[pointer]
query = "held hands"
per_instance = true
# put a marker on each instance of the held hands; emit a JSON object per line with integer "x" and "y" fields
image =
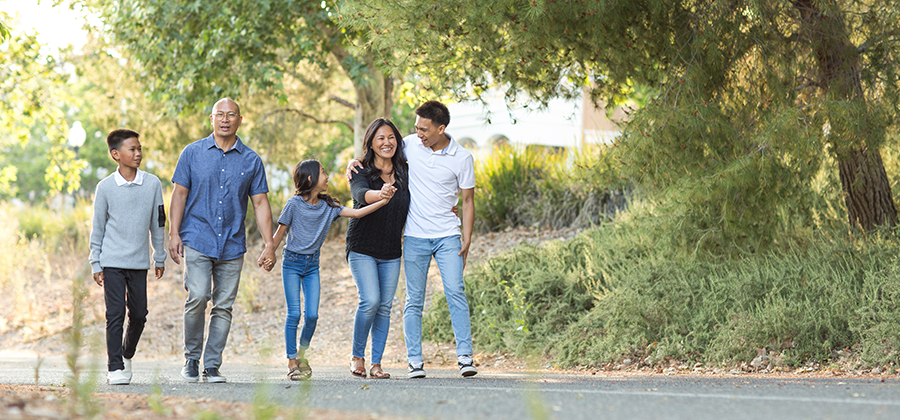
{"x": 387, "y": 191}
{"x": 267, "y": 259}
{"x": 98, "y": 278}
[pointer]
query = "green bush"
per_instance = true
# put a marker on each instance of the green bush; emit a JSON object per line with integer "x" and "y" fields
{"x": 69, "y": 227}
{"x": 542, "y": 186}
{"x": 614, "y": 292}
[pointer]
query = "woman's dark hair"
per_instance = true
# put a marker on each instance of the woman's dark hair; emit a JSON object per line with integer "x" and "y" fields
{"x": 306, "y": 177}
{"x": 398, "y": 161}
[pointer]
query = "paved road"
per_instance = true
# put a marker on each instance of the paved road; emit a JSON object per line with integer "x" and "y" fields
{"x": 512, "y": 395}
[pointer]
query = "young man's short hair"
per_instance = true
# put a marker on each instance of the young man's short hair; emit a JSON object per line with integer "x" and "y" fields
{"x": 434, "y": 111}
{"x": 114, "y": 140}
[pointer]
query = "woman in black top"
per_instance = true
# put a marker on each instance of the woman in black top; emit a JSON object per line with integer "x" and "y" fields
{"x": 374, "y": 242}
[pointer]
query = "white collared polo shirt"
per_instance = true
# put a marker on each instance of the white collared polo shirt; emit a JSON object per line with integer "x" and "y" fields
{"x": 435, "y": 179}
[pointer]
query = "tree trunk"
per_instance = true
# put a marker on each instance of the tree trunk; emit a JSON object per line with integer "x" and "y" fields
{"x": 867, "y": 191}
{"x": 374, "y": 98}
{"x": 374, "y": 90}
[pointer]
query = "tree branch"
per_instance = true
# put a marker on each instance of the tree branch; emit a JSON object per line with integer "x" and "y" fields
{"x": 808, "y": 83}
{"x": 343, "y": 102}
{"x": 305, "y": 115}
{"x": 865, "y": 45}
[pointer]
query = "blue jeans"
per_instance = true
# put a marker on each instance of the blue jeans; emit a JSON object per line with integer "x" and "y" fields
{"x": 376, "y": 281}
{"x": 300, "y": 273}
{"x": 417, "y": 253}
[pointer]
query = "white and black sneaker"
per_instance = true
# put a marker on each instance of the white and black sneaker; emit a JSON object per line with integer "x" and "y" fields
{"x": 212, "y": 376}
{"x": 416, "y": 370}
{"x": 466, "y": 366}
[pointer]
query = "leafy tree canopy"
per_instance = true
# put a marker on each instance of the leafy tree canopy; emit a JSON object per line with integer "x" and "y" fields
{"x": 192, "y": 53}
{"x": 752, "y": 100}
{"x": 33, "y": 100}
{"x": 4, "y": 30}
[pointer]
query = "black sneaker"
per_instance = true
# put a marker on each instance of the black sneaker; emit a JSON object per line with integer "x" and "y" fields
{"x": 466, "y": 366}
{"x": 416, "y": 371}
{"x": 191, "y": 370}
{"x": 212, "y": 375}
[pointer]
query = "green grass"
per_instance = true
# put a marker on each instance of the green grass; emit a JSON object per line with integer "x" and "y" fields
{"x": 616, "y": 292}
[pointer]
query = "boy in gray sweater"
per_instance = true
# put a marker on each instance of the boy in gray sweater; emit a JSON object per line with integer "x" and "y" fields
{"x": 128, "y": 212}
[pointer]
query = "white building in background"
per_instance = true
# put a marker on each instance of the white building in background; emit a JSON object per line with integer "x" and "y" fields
{"x": 563, "y": 123}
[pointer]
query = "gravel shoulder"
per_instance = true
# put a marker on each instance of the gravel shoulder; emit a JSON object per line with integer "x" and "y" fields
{"x": 257, "y": 331}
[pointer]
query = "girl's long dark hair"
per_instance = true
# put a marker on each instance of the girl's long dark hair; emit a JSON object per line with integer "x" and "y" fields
{"x": 398, "y": 161}
{"x": 306, "y": 177}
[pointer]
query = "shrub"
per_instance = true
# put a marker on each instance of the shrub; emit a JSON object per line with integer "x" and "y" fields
{"x": 55, "y": 228}
{"x": 614, "y": 292}
{"x": 538, "y": 186}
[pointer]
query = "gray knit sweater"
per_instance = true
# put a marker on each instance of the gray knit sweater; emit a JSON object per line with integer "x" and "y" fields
{"x": 125, "y": 219}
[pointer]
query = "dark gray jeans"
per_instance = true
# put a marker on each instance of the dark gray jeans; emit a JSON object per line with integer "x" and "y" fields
{"x": 206, "y": 278}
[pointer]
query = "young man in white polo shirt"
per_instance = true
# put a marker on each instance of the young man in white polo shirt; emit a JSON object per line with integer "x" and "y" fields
{"x": 440, "y": 170}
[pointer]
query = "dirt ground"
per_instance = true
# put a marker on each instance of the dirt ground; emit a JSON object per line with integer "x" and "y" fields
{"x": 257, "y": 332}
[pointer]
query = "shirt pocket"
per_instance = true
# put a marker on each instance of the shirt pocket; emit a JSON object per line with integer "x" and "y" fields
{"x": 240, "y": 179}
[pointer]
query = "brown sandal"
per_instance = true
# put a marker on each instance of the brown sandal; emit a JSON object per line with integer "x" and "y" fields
{"x": 300, "y": 373}
{"x": 358, "y": 367}
{"x": 376, "y": 373}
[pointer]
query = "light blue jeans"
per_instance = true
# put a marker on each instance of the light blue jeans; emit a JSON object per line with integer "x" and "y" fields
{"x": 376, "y": 281}
{"x": 417, "y": 254}
{"x": 300, "y": 274}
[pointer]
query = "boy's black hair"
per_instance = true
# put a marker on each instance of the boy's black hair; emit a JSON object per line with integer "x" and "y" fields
{"x": 434, "y": 111}
{"x": 114, "y": 140}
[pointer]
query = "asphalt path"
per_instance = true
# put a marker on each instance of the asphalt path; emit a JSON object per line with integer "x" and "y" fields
{"x": 443, "y": 394}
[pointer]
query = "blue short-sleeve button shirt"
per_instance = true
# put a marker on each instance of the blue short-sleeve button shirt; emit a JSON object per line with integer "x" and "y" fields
{"x": 220, "y": 183}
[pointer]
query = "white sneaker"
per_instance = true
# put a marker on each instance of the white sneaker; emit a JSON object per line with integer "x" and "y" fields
{"x": 127, "y": 368}
{"x": 117, "y": 377}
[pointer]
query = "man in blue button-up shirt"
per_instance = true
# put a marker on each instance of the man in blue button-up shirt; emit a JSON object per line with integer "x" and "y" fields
{"x": 213, "y": 179}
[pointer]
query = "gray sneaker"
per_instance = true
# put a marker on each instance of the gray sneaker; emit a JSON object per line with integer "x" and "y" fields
{"x": 191, "y": 370}
{"x": 416, "y": 371}
{"x": 212, "y": 376}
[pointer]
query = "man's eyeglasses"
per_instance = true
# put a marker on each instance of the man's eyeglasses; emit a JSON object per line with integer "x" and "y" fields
{"x": 221, "y": 115}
